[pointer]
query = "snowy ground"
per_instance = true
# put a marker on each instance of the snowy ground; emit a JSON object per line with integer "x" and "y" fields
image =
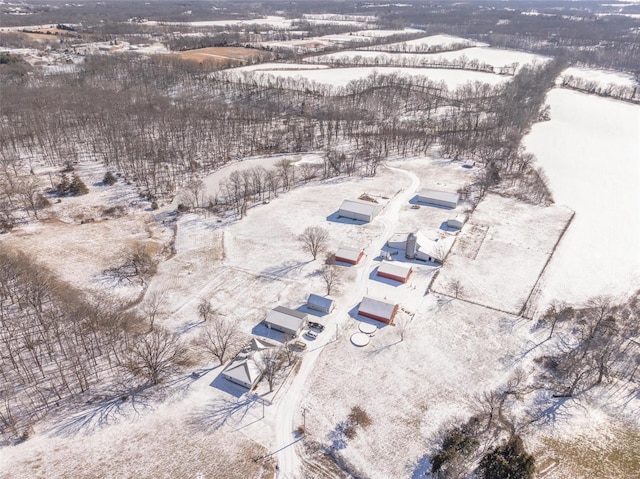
{"x": 273, "y": 21}
{"x": 502, "y": 235}
{"x": 590, "y": 151}
{"x": 443, "y": 41}
{"x": 601, "y": 77}
{"x": 340, "y": 77}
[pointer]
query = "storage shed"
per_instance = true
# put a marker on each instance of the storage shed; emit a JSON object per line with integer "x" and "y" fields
{"x": 324, "y": 304}
{"x": 393, "y": 270}
{"x": 378, "y": 310}
{"x": 398, "y": 241}
{"x": 359, "y": 210}
{"x": 286, "y": 320}
{"x": 438, "y": 198}
{"x": 348, "y": 254}
{"x": 457, "y": 220}
{"x": 243, "y": 371}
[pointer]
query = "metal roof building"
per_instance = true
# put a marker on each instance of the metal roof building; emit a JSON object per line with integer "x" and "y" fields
{"x": 348, "y": 254}
{"x": 394, "y": 270}
{"x": 285, "y": 320}
{"x": 324, "y": 304}
{"x": 359, "y": 210}
{"x": 457, "y": 220}
{"x": 377, "y": 309}
{"x": 438, "y": 198}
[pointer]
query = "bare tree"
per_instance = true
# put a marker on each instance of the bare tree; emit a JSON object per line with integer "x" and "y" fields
{"x": 270, "y": 363}
{"x": 456, "y": 288}
{"x": 137, "y": 264}
{"x": 206, "y": 310}
{"x": 221, "y": 337}
{"x": 153, "y": 305}
{"x": 153, "y": 354}
{"x": 330, "y": 274}
{"x": 314, "y": 239}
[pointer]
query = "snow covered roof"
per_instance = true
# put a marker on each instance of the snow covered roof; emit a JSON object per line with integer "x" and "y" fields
{"x": 376, "y": 307}
{"x": 394, "y": 269}
{"x": 398, "y": 238}
{"x": 439, "y": 195}
{"x": 286, "y": 318}
{"x": 242, "y": 370}
{"x": 257, "y": 344}
{"x": 323, "y": 302}
{"x": 348, "y": 252}
{"x": 459, "y": 217}
{"x": 359, "y": 206}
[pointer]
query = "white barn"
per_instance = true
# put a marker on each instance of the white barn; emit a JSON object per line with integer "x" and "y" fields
{"x": 457, "y": 220}
{"x": 285, "y": 320}
{"x": 359, "y": 210}
{"x": 324, "y": 304}
{"x": 438, "y": 198}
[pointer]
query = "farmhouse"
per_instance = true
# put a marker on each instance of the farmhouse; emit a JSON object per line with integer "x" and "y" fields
{"x": 457, "y": 220}
{"x": 324, "y": 304}
{"x": 378, "y": 310}
{"x": 438, "y": 198}
{"x": 286, "y": 320}
{"x": 359, "y": 210}
{"x": 243, "y": 371}
{"x": 393, "y": 270}
{"x": 350, "y": 255}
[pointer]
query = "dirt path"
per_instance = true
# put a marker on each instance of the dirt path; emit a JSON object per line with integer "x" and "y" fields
{"x": 288, "y": 410}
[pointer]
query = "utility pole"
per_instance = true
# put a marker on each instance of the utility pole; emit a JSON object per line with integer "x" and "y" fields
{"x": 304, "y": 420}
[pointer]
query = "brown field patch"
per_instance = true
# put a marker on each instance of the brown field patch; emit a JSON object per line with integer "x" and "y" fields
{"x": 220, "y": 55}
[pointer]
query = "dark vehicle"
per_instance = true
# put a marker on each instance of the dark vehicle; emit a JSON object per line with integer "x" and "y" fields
{"x": 316, "y": 326}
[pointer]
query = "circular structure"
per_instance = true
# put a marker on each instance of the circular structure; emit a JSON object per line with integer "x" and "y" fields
{"x": 368, "y": 328}
{"x": 360, "y": 339}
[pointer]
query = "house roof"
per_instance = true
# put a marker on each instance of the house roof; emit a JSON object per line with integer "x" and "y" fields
{"x": 359, "y": 206}
{"x": 257, "y": 344}
{"x": 322, "y": 301}
{"x": 436, "y": 248}
{"x": 286, "y": 318}
{"x": 394, "y": 269}
{"x": 439, "y": 195}
{"x": 376, "y": 307}
{"x": 243, "y": 370}
{"x": 348, "y": 252}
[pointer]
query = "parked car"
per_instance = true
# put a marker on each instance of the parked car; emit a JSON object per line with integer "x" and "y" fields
{"x": 316, "y": 326}
{"x": 299, "y": 345}
{"x": 311, "y": 334}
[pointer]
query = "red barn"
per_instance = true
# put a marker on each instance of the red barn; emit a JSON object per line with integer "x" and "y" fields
{"x": 350, "y": 255}
{"x": 378, "y": 310}
{"x": 396, "y": 271}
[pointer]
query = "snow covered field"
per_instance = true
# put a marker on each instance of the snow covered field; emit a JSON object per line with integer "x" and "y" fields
{"x": 493, "y": 57}
{"x": 502, "y": 235}
{"x": 443, "y": 41}
{"x": 341, "y": 77}
{"x": 590, "y": 151}
{"x": 601, "y": 77}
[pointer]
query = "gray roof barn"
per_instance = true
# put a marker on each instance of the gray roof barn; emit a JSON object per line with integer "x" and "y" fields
{"x": 438, "y": 198}
{"x": 324, "y": 304}
{"x": 359, "y": 210}
{"x": 285, "y": 320}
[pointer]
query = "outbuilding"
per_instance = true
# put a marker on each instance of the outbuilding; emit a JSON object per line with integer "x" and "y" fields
{"x": 398, "y": 241}
{"x": 348, "y": 254}
{"x": 457, "y": 220}
{"x": 324, "y": 304}
{"x": 359, "y": 210}
{"x": 243, "y": 371}
{"x": 394, "y": 270}
{"x": 378, "y": 310}
{"x": 438, "y": 198}
{"x": 285, "y": 320}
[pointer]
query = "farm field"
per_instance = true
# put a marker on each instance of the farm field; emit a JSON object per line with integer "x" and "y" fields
{"x": 223, "y": 55}
{"x": 601, "y": 77}
{"x": 441, "y": 41}
{"x": 500, "y": 235}
{"x": 341, "y": 77}
{"x": 590, "y": 152}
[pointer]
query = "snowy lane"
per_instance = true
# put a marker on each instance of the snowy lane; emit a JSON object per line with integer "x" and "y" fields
{"x": 287, "y": 444}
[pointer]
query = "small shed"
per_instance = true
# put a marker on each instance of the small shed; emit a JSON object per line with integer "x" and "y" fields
{"x": 438, "y": 198}
{"x": 348, "y": 254}
{"x": 359, "y": 210}
{"x": 398, "y": 241}
{"x": 378, "y": 310}
{"x": 243, "y": 371}
{"x": 324, "y": 304}
{"x": 394, "y": 270}
{"x": 457, "y": 220}
{"x": 285, "y": 320}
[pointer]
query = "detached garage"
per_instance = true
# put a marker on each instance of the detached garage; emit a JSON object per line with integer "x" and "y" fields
{"x": 359, "y": 210}
{"x": 378, "y": 310}
{"x": 349, "y": 255}
{"x": 438, "y": 198}
{"x": 396, "y": 271}
{"x": 285, "y": 320}
{"x": 323, "y": 304}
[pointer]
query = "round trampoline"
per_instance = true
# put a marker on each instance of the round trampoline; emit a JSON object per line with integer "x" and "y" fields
{"x": 368, "y": 328}
{"x": 360, "y": 339}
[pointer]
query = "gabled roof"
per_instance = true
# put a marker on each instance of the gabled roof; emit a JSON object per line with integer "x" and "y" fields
{"x": 394, "y": 268}
{"x": 243, "y": 370}
{"x": 286, "y": 318}
{"x": 258, "y": 344}
{"x": 348, "y": 252}
{"x": 359, "y": 206}
{"x": 376, "y": 307}
{"x": 320, "y": 301}
{"x": 439, "y": 195}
